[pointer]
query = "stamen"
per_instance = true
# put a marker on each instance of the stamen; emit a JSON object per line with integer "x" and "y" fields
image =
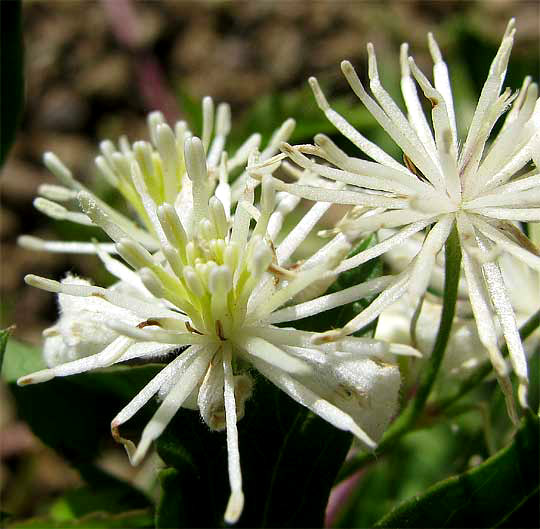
{"x": 58, "y": 169}
{"x": 151, "y": 282}
{"x": 193, "y": 282}
{"x": 219, "y": 330}
{"x": 208, "y": 121}
{"x": 172, "y": 226}
{"x": 196, "y": 170}
{"x": 192, "y": 329}
{"x": 166, "y": 144}
{"x": 106, "y": 171}
{"x": 135, "y": 254}
{"x": 58, "y": 212}
{"x": 155, "y": 119}
{"x": 56, "y": 193}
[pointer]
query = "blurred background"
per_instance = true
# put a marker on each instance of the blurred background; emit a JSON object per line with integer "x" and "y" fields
{"x": 93, "y": 70}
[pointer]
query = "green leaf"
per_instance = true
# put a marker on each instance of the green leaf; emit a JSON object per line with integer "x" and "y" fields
{"x": 4, "y": 335}
{"x": 289, "y": 459}
{"x": 11, "y": 102}
{"x": 492, "y": 494}
{"x": 72, "y": 414}
{"x": 137, "y": 519}
{"x": 105, "y": 494}
{"x": 20, "y": 359}
{"x": 445, "y": 449}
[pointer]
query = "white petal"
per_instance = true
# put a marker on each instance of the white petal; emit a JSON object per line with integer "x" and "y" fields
{"x": 298, "y": 234}
{"x": 174, "y": 400}
{"x": 104, "y": 359}
{"x": 337, "y": 196}
{"x": 507, "y": 318}
{"x": 35, "y": 243}
{"x": 313, "y": 401}
{"x": 259, "y": 348}
{"x": 382, "y": 247}
{"x": 391, "y": 294}
{"x": 210, "y": 397}
{"x": 235, "y": 504}
{"x": 166, "y": 376}
{"x": 366, "y": 146}
{"x": 425, "y": 260}
{"x": 365, "y": 389}
{"x": 330, "y": 301}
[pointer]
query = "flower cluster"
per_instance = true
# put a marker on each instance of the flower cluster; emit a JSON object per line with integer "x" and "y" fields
{"x": 205, "y": 272}
{"x": 481, "y": 191}
{"x": 162, "y": 169}
{"x": 464, "y": 350}
{"x": 217, "y": 287}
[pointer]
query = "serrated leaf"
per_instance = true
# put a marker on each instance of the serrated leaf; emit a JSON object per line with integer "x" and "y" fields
{"x": 12, "y": 74}
{"x": 289, "y": 459}
{"x": 486, "y": 496}
{"x": 138, "y": 519}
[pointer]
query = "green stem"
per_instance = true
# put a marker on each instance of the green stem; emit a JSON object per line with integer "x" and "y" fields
{"x": 409, "y": 416}
{"x": 485, "y": 368}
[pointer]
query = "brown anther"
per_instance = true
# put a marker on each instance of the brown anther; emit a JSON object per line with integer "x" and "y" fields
{"x": 281, "y": 272}
{"x": 434, "y": 101}
{"x": 146, "y": 323}
{"x": 328, "y": 337}
{"x": 129, "y": 446}
{"x": 219, "y": 330}
{"x": 518, "y": 237}
{"x": 296, "y": 266}
{"x": 192, "y": 329}
{"x": 98, "y": 295}
{"x": 413, "y": 169}
{"x": 382, "y": 363}
{"x": 115, "y": 432}
{"x": 273, "y": 248}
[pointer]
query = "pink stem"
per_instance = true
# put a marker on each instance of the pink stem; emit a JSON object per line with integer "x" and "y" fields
{"x": 339, "y": 496}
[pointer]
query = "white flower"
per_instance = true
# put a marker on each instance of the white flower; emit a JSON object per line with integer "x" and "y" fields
{"x": 80, "y": 331}
{"x": 478, "y": 189}
{"x": 163, "y": 171}
{"x": 218, "y": 287}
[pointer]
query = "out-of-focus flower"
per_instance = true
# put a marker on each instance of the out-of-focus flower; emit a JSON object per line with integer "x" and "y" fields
{"x": 219, "y": 288}
{"x": 479, "y": 189}
{"x": 464, "y": 350}
{"x": 163, "y": 172}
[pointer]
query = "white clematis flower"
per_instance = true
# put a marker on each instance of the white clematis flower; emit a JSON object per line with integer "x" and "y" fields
{"x": 163, "y": 173}
{"x": 464, "y": 350}
{"x": 478, "y": 188}
{"x": 220, "y": 288}
{"x": 80, "y": 331}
